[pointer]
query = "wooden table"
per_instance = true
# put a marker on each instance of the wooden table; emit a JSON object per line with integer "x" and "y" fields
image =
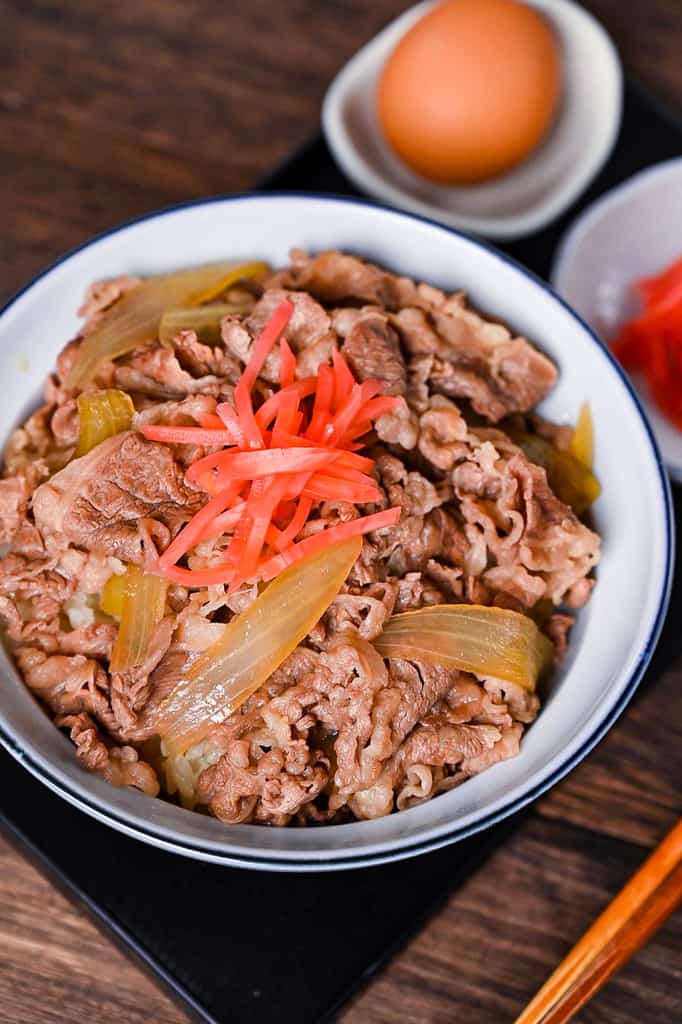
{"x": 110, "y": 110}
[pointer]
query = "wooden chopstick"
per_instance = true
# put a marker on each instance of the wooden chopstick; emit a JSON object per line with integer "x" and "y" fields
{"x": 651, "y": 895}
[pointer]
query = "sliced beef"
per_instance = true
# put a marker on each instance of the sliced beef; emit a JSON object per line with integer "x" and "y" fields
{"x": 335, "y": 277}
{"x": 64, "y": 424}
{"x": 102, "y": 294}
{"x": 507, "y": 503}
{"x": 418, "y": 374}
{"x": 557, "y": 629}
{"x": 442, "y": 433}
{"x": 309, "y": 322}
{"x": 516, "y": 583}
{"x": 439, "y": 743}
{"x": 95, "y": 640}
{"x": 312, "y": 357}
{"x": 205, "y": 361}
{"x": 421, "y": 687}
{"x": 399, "y": 427}
{"x": 519, "y": 702}
{"x": 416, "y": 590}
{"x": 33, "y": 444}
{"x": 364, "y": 613}
{"x": 372, "y": 350}
{"x": 505, "y": 747}
{"x": 126, "y": 498}
{"x": 477, "y": 359}
{"x": 32, "y": 594}
{"x": 27, "y": 541}
{"x": 119, "y": 765}
{"x": 156, "y": 371}
{"x": 344, "y": 318}
{"x": 366, "y": 712}
{"x": 308, "y": 333}
{"x": 68, "y": 684}
{"x": 410, "y": 490}
{"x": 15, "y": 493}
{"x": 272, "y": 789}
{"x": 185, "y": 412}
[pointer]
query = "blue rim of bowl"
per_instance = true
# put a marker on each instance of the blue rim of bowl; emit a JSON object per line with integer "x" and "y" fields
{"x": 324, "y": 863}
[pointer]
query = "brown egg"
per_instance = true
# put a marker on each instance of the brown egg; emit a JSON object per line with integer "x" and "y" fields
{"x": 471, "y": 89}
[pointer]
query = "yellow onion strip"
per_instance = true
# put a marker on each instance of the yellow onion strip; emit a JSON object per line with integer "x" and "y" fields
{"x": 569, "y": 478}
{"x": 472, "y": 638}
{"x": 111, "y": 597}
{"x": 142, "y": 608}
{"x": 582, "y": 442}
{"x": 204, "y": 320}
{"x": 101, "y": 414}
{"x": 134, "y": 318}
{"x": 252, "y": 646}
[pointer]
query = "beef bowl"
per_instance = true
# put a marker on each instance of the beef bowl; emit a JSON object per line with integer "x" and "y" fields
{"x": 385, "y": 451}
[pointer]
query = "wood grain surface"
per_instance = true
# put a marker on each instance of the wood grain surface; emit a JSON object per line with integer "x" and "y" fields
{"x": 110, "y": 110}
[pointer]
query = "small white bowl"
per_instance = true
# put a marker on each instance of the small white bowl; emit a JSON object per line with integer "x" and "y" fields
{"x": 614, "y": 637}
{"x": 524, "y": 199}
{"x": 633, "y": 231}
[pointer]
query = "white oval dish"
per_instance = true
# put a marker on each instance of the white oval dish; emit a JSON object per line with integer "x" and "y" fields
{"x": 630, "y": 232}
{"x": 615, "y": 635}
{"x": 524, "y": 199}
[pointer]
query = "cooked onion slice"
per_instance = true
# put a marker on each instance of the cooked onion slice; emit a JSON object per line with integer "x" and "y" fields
{"x": 569, "y": 477}
{"x": 472, "y": 638}
{"x": 142, "y": 608}
{"x": 101, "y": 414}
{"x": 204, "y": 320}
{"x": 582, "y": 442}
{"x": 134, "y": 318}
{"x": 112, "y": 595}
{"x": 252, "y": 646}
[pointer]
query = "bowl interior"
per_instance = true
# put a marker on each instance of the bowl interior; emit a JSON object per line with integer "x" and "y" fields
{"x": 634, "y": 231}
{"x": 614, "y": 635}
{"x": 526, "y": 196}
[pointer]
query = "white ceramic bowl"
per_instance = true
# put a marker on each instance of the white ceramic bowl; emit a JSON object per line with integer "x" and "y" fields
{"x": 631, "y": 232}
{"x": 527, "y": 197}
{"x": 616, "y": 633}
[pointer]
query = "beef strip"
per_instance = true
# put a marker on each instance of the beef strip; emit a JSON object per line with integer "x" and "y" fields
{"x": 156, "y": 371}
{"x": 64, "y": 424}
{"x": 442, "y": 433}
{"x": 309, "y": 322}
{"x": 372, "y": 350}
{"x": 204, "y": 361}
{"x": 103, "y": 294}
{"x": 15, "y": 493}
{"x": 33, "y": 444}
{"x": 126, "y": 498}
{"x": 185, "y": 412}
{"x": 31, "y": 597}
{"x": 308, "y": 332}
{"x": 476, "y": 359}
{"x": 333, "y": 277}
{"x": 509, "y": 507}
{"x": 68, "y": 684}
{"x": 119, "y": 765}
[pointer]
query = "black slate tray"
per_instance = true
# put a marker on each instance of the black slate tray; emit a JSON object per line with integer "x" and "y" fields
{"x": 233, "y": 945}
